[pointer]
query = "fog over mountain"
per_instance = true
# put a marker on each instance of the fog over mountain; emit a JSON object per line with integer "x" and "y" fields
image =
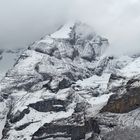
{"x": 119, "y": 21}
{"x": 79, "y": 77}
{"x": 27, "y": 20}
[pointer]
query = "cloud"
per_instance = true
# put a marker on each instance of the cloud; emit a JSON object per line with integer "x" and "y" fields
{"x": 27, "y": 20}
{"x": 23, "y": 21}
{"x": 119, "y": 21}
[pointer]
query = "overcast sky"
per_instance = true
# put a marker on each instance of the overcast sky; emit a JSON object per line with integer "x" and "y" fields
{"x": 23, "y": 21}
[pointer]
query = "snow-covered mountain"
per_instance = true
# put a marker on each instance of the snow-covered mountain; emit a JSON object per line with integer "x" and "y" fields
{"x": 65, "y": 87}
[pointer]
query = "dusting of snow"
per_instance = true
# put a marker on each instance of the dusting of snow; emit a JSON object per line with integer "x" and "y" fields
{"x": 37, "y": 120}
{"x": 47, "y": 39}
{"x": 99, "y": 100}
{"x": 97, "y": 104}
{"x": 23, "y": 98}
{"x": 64, "y": 31}
{"x": 132, "y": 69}
{"x": 136, "y": 84}
{"x": 26, "y": 65}
{"x": 88, "y": 135}
{"x": 2, "y": 125}
{"x": 95, "y": 81}
{"x": 3, "y": 113}
{"x": 99, "y": 82}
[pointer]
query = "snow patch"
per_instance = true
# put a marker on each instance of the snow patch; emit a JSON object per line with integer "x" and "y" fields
{"x": 95, "y": 81}
{"x": 47, "y": 39}
{"x": 132, "y": 69}
{"x": 38, "y": 119}
{"x": 97, "y": 104}
{"x": 64, "y": 31}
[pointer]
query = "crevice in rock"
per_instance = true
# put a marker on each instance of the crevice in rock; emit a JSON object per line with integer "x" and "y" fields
{"x": 49, "y": 105}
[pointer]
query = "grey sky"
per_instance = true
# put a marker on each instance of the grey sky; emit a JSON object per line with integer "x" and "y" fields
{"x": 117, "y": 20}
{"x": 23, "y": 21}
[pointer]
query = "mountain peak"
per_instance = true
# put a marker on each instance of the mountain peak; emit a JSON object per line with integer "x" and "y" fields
{"x": 61, "y": 82}
{"x": 74, "y": 27}
{"x": 64, "y": 31}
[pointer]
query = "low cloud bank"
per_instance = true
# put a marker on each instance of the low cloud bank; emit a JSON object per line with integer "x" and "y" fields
{"x": 119, "y": 21}
{"x": 27, "y": 20}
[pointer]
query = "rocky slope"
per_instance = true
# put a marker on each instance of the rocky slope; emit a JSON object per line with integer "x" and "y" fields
{"x": 64, "y": 87}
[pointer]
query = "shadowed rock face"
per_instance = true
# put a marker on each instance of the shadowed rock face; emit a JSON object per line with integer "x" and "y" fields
{"x": 123, "y": 134}
{"x": 119, "y": 126}
{"x": 125, "y": 102}
{"x": 18, "y": 116}
{"x": 67, "y": 129}
{"x": 49, "y": 105}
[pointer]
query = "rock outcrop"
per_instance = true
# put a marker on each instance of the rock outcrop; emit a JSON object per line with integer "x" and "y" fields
{"x": 126, "y": 99}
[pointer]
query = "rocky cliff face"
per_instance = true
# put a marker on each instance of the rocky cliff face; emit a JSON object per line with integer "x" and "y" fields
{"x": 60, "y": 86}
